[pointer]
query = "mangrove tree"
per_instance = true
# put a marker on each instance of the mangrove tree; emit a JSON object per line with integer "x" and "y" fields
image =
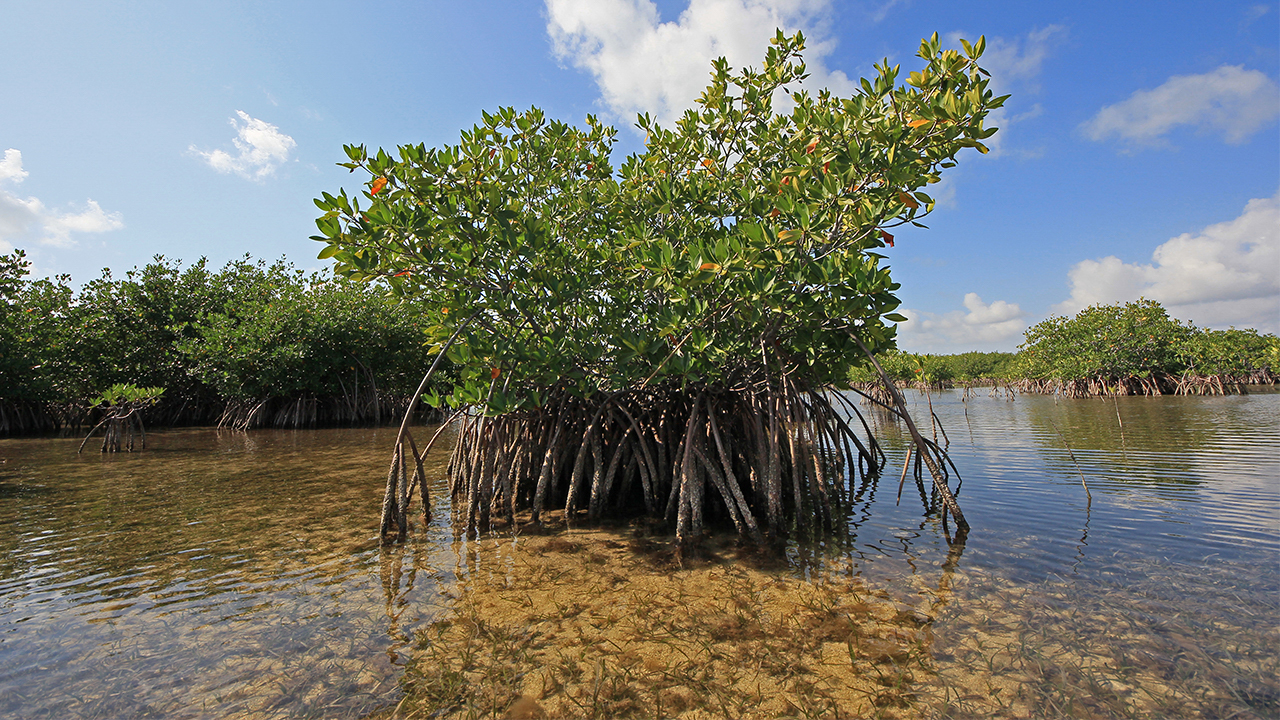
{"x": 660, "y": 335}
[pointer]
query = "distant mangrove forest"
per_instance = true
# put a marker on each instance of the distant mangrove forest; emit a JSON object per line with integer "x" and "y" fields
{"x": 253, "y": 344}
{"x": 1122, "y": 349}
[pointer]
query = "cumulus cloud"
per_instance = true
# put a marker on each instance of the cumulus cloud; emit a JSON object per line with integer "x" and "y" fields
{"x": 1225, "y": 274}
{"x": 1230, "y": 100}
{"x": 644, "y": 65}
{"x": 11, "y": 167}
{"x": 29, "y": 219}
{"x": 980, "y": 326}
{"x": 260, "y": 149}
{"x": 1017, "y": 61}
{"x": 1015, "y": 65}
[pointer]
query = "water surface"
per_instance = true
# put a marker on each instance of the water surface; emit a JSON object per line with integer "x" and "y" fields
{"x": 221, "y": 573}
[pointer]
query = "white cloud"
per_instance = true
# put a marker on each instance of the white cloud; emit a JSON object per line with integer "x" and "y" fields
{"x": 1017, "y": 61}
{"x": 1015, "y": 66}
{"x": 882, "y": 12}
{"x": 11, "y": 167}
{"x": 1226, "y": 274}
{"x": 260, "y": 147}
{"x": 29, "y": 219}
{"x": 93, "y": 219}
{"x": 644, "y": 65}
{"x": 1230, "y": 100}
{"x": 981, "y": 326}
{"x": 1253, "y": 13}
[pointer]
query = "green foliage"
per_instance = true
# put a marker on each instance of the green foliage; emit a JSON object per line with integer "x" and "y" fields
{"x": 33, "y": 330}
{"x": 126, "y": 394}
{"x": 127, "y": 331}
{"x": 283, "y": 333}
{"x": 979, "y": 365}
{"x": 1102, "y": 341}
{"x": 1233, "y": 353}
{"x": 742, "y": 241}
{"x": 900, "y": 367}
{"x": 964, "y": 367}
{"x": 1139, "y": 340}
{"x": 250, "y": 331}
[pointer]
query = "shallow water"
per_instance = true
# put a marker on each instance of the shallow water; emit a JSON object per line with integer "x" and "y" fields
{"x": 222, "y": 574}
{"x": 214, "y": 574}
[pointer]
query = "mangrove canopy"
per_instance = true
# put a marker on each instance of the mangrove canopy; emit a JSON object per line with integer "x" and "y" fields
{"x": 1135, "y": 348}
{"x": 250, "y": 345}
{"x": 658, "y": 335}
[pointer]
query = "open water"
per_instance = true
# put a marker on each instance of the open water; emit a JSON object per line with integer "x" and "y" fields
{"x": 225, "y": 574}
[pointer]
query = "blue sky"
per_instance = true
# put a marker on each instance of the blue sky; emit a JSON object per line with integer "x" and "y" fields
{"x": 1139, "y": 154}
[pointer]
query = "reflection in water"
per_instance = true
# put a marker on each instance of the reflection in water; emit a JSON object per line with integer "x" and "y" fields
{"x": 238, "y": 574}
{"x": 214, "y": 574}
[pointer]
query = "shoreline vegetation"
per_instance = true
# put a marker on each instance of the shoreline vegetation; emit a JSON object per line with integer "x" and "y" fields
{"x": 1105, "y": 350}
{"x": 266, "y": 345}
{"x": 251, "y": 345}
{"x": 258, "y": 345}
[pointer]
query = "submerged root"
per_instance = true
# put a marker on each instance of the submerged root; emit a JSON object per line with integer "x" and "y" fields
{"x": 367, "y": 407}
{"x": 121, "y": 426}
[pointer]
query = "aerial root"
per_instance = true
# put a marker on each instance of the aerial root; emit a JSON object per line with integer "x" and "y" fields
{"x": 771, "y": 459}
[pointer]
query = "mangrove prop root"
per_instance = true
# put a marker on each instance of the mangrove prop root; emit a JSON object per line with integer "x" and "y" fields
{"x": 770, "y": 458}
{"x": 1154, "y": 384}
{"x": 120, "y": 425}
{"x": 925, "y": 450}
{"x": 395, "y": 501}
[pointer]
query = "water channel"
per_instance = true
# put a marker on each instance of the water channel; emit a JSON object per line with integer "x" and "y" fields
{"x": 224, "y": 574}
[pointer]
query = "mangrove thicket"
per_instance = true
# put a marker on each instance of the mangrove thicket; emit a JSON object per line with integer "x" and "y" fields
{"x": 1135, "y": 348}
{"x": 659, "y": 335}
{"x": 249, "y": 345}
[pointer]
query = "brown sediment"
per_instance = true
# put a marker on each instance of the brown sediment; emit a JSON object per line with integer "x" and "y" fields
{"x": 606, "y": 624}
{"x": 1046, "y": 650}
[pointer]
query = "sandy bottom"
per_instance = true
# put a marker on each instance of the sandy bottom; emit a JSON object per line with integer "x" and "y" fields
{"x": 606, "y": 624}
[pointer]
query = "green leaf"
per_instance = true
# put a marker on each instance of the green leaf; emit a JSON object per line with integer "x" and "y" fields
{"x": 790, "y": 236}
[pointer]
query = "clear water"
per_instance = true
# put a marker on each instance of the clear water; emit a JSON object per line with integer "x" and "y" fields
{"x": 221, "y": 574}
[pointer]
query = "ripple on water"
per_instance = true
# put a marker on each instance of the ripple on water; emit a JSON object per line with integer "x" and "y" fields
{"x": 223, "y": 574}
